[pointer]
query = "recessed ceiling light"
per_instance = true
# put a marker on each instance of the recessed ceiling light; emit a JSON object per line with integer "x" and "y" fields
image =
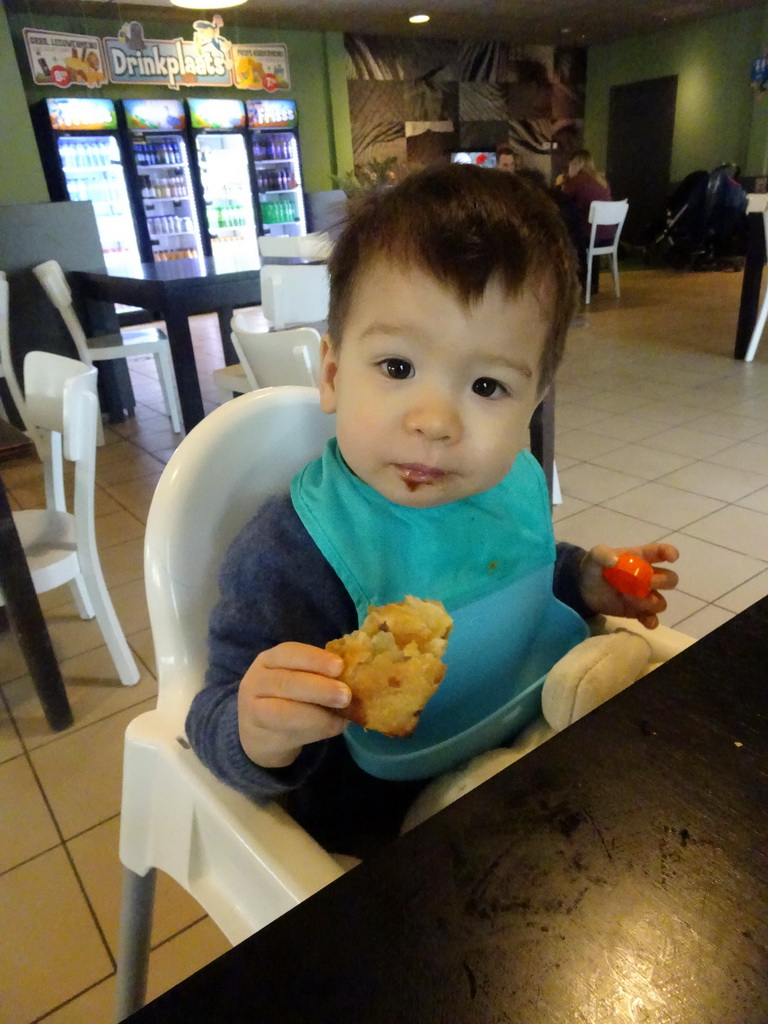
{"x": 564, "y": 31}
{"x": 205, "y": 5}
{"x": 418, "y": 19}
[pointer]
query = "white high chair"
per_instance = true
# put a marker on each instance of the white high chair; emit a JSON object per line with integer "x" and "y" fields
{"x": 757, "y": 204}
{"x": 60, "y": 547}
{"x": 139, "y": 341}
{"x": 245, "y": 864}
{"x": 295, "y": 294}
{"x": 269, "y": 359}
{"x": 605, "y": 214}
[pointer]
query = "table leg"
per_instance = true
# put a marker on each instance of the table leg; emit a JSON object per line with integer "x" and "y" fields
{"x": 750, "y": 285}
{"x": 225, "y": 321}
{"x": 28, "y": 624}
{"x": 185, "y": 368}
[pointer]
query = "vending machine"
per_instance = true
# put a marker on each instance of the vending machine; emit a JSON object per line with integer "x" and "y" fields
{"x": 274, "y": 145}
{"x": 83, "y": 161}
{"x": 161, "y": 161}
{"x": 218, "y": 128}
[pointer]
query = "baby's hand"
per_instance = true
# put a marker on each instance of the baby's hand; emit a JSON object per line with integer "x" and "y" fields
{"x": 286, "y": 699}
{"x": 602, "y": 597}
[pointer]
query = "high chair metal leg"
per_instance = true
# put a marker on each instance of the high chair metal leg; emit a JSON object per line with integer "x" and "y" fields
{"x": 138, "y": 898}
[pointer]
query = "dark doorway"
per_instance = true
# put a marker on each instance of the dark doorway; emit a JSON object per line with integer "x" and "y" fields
{"x": 641, "y": 123}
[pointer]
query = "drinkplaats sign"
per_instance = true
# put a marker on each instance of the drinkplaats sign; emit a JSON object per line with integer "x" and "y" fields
{"x": 129, "y": 58}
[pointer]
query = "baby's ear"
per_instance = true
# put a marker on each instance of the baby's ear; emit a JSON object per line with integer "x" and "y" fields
{"x": 329, "y": 366}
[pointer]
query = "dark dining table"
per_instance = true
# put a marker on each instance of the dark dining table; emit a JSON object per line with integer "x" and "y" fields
{"x": 176, "y": 290}
{"x": 617, "y": 874}
{"x": 21, "y": 605}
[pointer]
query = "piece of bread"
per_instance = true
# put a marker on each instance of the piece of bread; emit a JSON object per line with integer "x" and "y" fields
{"x": 392, "y": 664}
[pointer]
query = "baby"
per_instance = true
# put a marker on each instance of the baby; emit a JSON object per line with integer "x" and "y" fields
{"x": 451, "y": 295}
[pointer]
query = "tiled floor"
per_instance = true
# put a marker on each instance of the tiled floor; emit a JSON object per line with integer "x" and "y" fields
{"x": 660, "y": 434}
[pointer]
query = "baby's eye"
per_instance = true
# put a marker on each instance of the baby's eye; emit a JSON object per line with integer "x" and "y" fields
{"x": 487, "y": 387}
{"x": 399, "y": 369}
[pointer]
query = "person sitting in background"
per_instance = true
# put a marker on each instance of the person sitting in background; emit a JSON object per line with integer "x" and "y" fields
{"x": 585, "y": 185}
{"x": 506, "y": 159}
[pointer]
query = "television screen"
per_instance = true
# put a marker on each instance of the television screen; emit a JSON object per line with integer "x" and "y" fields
{"x": 481, "y": 159}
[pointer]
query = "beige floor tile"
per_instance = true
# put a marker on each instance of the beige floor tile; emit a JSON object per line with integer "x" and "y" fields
{"x": 93, "y": 689}
{"x": 753, "y": 458}
{"x": 704, "y": 621}
{"x": 181, "y": 956}
{"x": 583, "y": 444}
{"x": 568, "y": 507}
{"x": 130, "y": 601}
{"x": 80, "y": 771}
{"x": 724, "y": 482}
{"x": 123, "y": 563}
{"x": 571, "y": 414}
{"x": 708, "y": 571}
{"x": 56, "y": 951}
{"x": 103, "y": 503}
{"x": 637, "y": 460}
{"x": 116, "y": 528}
{"x": 679, "y": 605}
{"x": 736, "y": 528}
{"x": 26, "y": 827}
{"x": 95, "y": 1006}
{"x": 758, "y": 501}
{"x": 10, "y": 744}
{"x": 124, "y": 461}
{"x": 144, "y": 647}
{"x": 595, "y": 483}
{"x": 684, "y": 441}
{"x": 95, "y": 854}
{"x": 740, "y": 428}
{"x": 671, "y": 414}
{"x": 136, "y": 496}
{"x": 628, "y": 427}
{"x": 12, "y": 664}
{"x": 616, "y": 402}
{"x": 599, "y": 525}
{"x": 742, "y": 597}
{"x": 667, "y": 506}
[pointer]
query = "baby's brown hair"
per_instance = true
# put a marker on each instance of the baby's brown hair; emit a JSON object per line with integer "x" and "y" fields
{"x": 464, "y": 225}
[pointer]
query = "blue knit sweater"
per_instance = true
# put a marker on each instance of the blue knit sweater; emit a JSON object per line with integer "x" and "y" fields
{"x": 276, "y": 586}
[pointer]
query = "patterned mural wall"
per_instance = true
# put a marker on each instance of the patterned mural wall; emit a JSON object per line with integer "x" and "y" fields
{"x": 420, "y": 100}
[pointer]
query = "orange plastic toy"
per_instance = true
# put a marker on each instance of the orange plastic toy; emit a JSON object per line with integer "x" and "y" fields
{"x": 631, "y": 575}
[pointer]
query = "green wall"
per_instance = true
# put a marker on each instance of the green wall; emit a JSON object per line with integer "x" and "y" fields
{"x": 315, "y": 59}
{"x": 21, "y": 176}
{"x": 714, "y": 113}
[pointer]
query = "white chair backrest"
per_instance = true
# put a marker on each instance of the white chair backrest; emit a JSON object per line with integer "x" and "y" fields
{"x": 293, "y": 295}
{"x": 277, "y": 358}
{"x": 242, "y": 453}
{"x": 316, "y": 245}
{"x": 51, "y": 277}
{"x": 56, "y": 399}
{"x": 608, "y": 212}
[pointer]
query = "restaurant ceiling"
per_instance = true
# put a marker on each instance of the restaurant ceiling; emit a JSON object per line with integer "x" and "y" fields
{"x": 580, "y": 22}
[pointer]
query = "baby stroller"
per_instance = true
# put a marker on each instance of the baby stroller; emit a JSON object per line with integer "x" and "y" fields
{"x": 706, "y": 222}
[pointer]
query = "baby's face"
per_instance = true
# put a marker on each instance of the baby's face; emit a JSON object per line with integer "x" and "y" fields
{"x": 433, "y": 399}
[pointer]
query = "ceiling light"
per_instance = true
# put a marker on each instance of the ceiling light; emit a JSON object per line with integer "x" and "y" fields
{"x": 206, "y": 5}
{"x": 418, "y": 19}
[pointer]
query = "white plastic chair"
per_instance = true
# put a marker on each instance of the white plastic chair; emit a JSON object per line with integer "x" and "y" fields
{"x": 269, "y": 359}
{"x": 139, "y": 341}
{"x": 62, "y": 405}
{"x": 605, "y": 214}
{"x": 762, "y": 316}
{"x": 245, "y": 864}
{"x": 294, "y": 295}
{"x": 314, "y": 246}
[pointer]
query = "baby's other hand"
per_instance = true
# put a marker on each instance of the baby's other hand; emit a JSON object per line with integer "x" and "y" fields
{"x": 603, "y": 598}
{"x": 287, "y": 699}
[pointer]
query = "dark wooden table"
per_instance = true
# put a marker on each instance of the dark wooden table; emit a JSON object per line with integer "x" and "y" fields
{"x": 178, "y": 289}
{"x": 21, "y": 604}
{"x": 617, "y": 874}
